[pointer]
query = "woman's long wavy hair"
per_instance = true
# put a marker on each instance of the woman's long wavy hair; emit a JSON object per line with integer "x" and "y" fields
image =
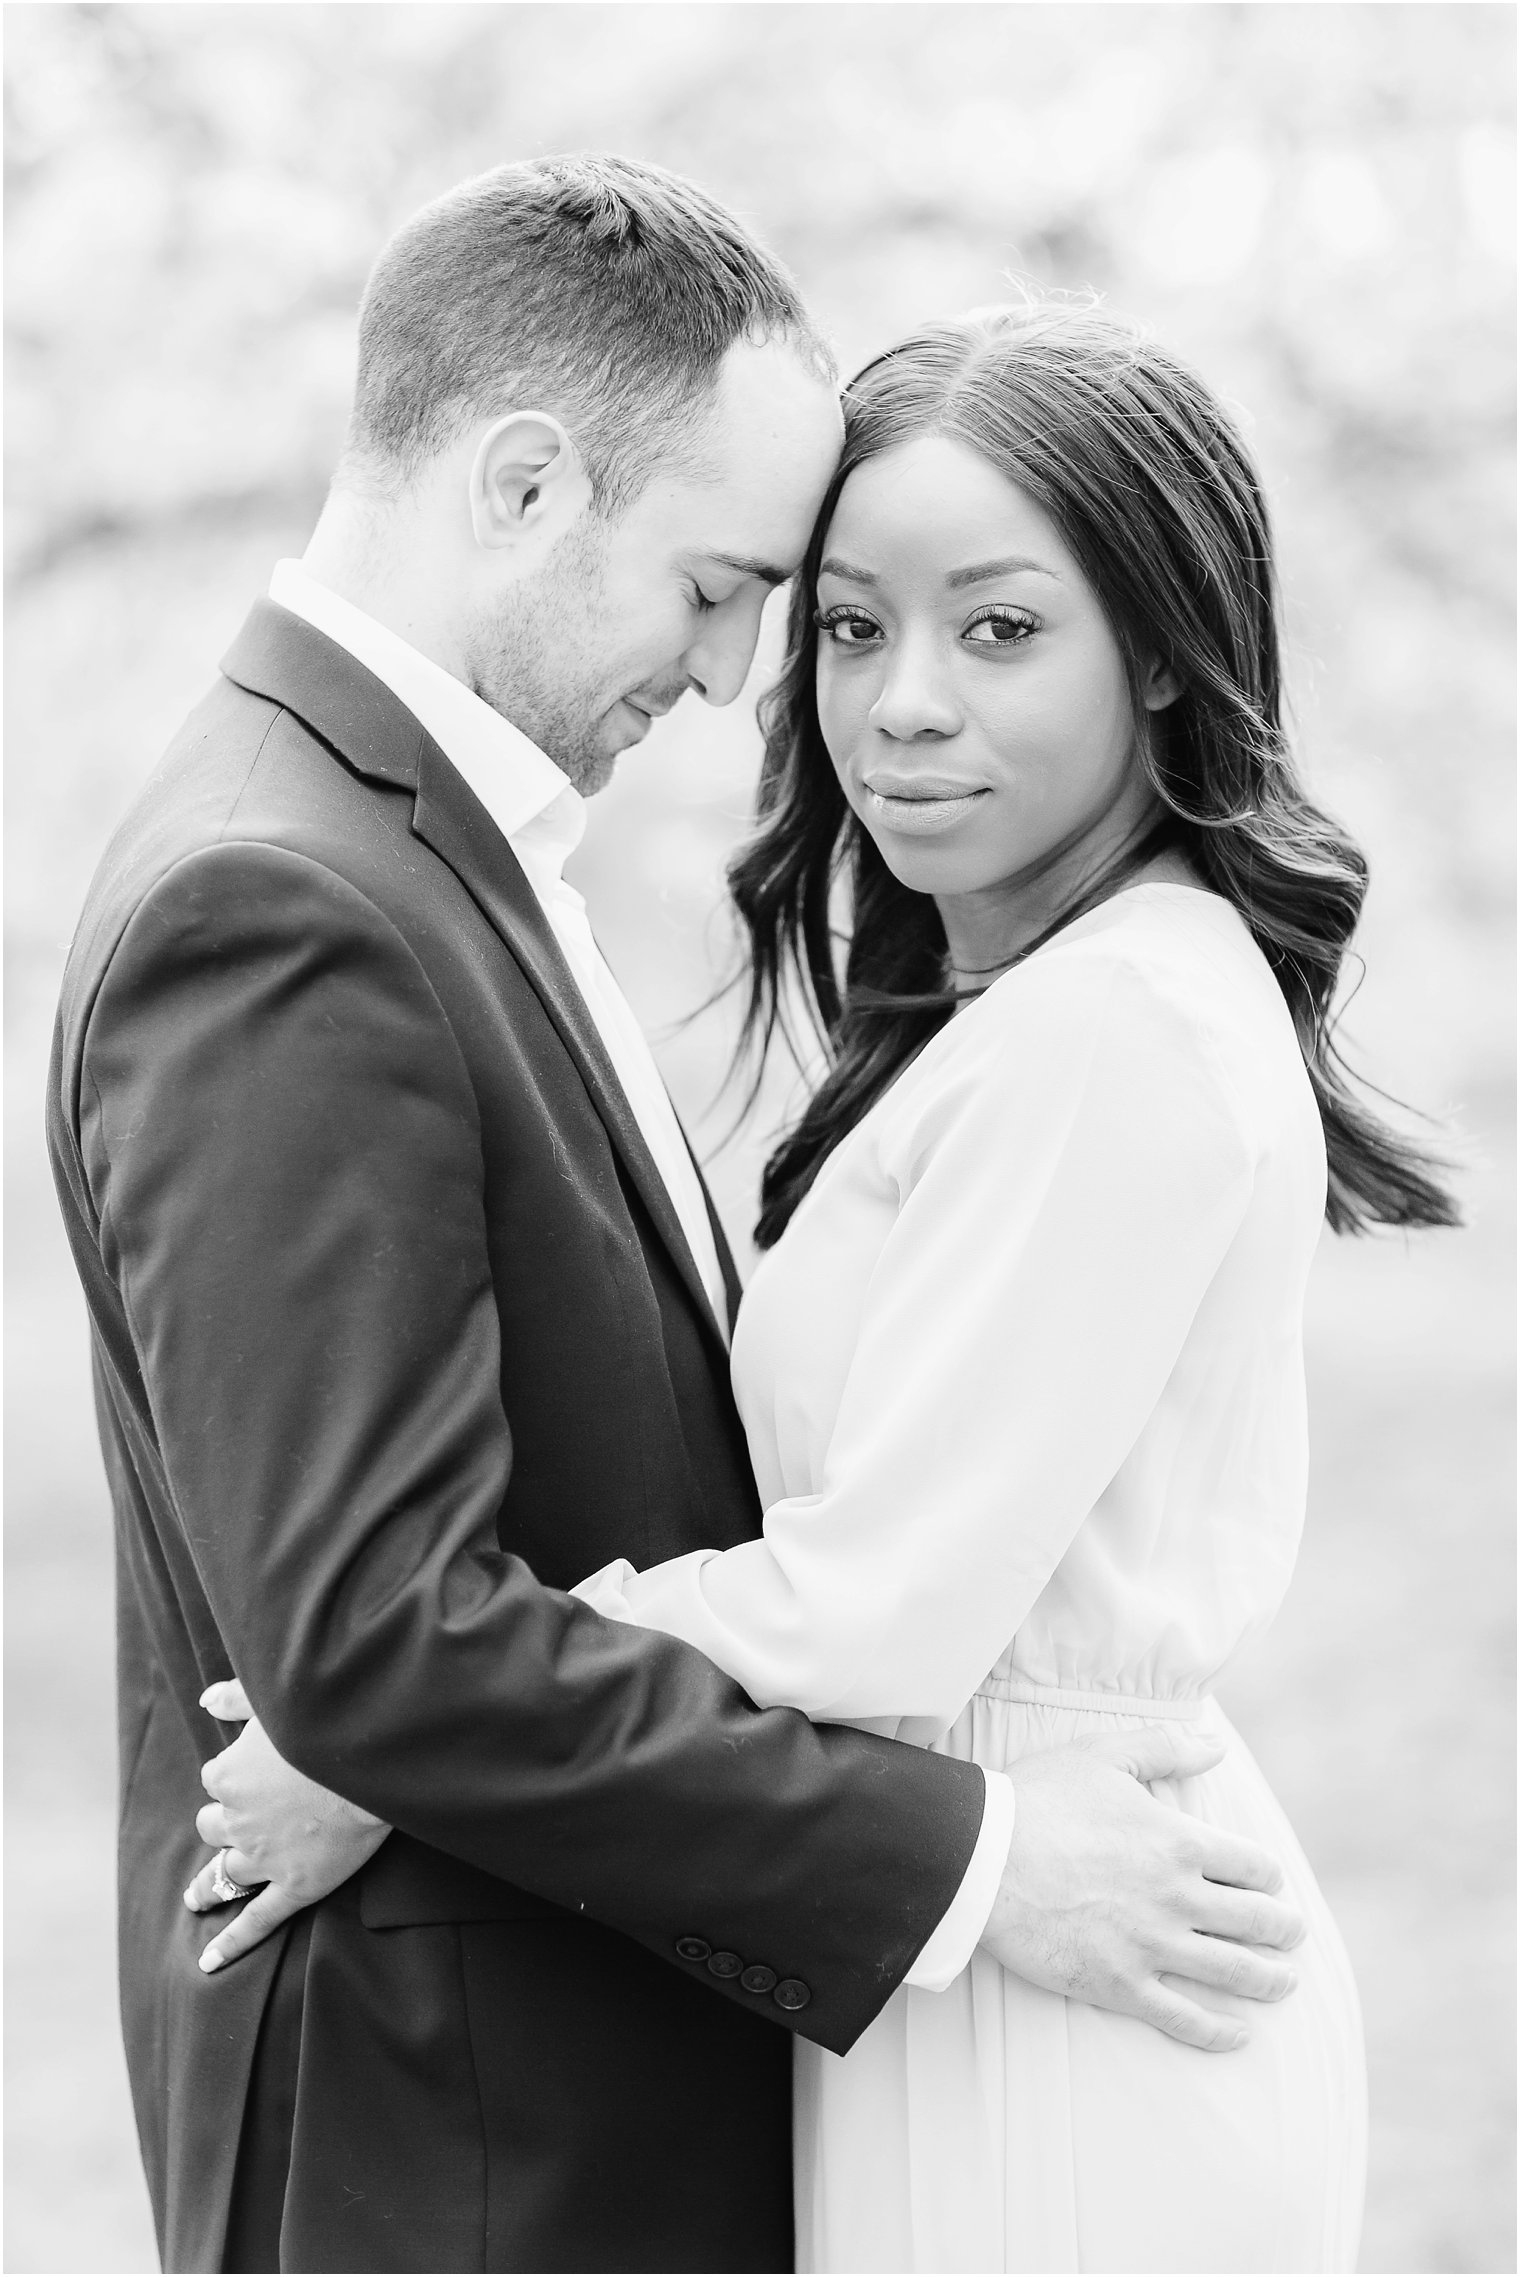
{"x": 1154, "y": 493}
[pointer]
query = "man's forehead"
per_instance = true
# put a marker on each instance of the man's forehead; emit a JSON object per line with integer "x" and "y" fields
{"x": 747, "y": 527}
{"x": 743, "y": 493}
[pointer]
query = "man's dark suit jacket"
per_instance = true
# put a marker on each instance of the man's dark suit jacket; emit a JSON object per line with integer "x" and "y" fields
{"x": 397, "y": 1337}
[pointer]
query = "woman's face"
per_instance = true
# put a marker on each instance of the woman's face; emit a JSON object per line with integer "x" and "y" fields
{"x": 971, "y": 694}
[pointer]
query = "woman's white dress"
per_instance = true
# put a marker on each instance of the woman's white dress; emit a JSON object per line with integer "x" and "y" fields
{"x": 1023, "y": 1384}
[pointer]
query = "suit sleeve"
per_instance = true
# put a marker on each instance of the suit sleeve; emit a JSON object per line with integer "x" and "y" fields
{"x": 283, "y": 1148}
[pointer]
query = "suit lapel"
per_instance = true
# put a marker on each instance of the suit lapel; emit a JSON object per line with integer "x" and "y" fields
{"x": 280, "y": 656}
{"x": 733, "y": 1287}
{"x": 449, "y": 818}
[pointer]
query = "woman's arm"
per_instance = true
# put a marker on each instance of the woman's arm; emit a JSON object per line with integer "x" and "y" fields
{"x": 1067, "y": 1196}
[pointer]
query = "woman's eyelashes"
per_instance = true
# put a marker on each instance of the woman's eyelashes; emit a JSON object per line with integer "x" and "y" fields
{"x": 848, "y": 626}
{"x": 1003, "y": 628}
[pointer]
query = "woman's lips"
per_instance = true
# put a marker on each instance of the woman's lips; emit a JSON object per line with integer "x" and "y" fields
{"x": 921, "y": 807}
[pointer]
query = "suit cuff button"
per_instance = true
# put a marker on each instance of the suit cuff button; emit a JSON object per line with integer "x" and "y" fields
{"x": 759, "y": 1978}
{"x": 693, "y": 1948}
{"x": 725, "y": 1965}
{"x": 791, "y": 1994}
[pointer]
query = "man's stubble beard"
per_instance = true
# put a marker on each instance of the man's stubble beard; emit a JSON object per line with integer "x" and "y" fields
{"x": 537, "y": 659}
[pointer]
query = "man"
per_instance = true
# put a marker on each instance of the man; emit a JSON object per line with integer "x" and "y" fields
{"x": 408, "y": 1311}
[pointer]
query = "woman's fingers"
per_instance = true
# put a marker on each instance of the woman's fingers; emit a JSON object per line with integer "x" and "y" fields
{"x": 201, "y": 1896}
{"x": 259, "y": 1917}
{"x": 1249, "y": 1916}
{"x": 211, "y": 1826}
{"x": 227, "y": 1701}
{"x": 1226, "y": 1967}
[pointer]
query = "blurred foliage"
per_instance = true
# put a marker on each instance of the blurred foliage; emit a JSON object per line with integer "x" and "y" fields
{"x": 1315, "y": 203}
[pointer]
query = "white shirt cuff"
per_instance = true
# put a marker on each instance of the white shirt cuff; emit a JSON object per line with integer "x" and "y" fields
{"x": 952, "y": 1944}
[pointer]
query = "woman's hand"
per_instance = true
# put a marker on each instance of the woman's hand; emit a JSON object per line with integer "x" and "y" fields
{"x": 270, "y": 1824}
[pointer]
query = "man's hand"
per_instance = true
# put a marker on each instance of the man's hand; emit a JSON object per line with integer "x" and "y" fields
{"x": 1112, "y": 1898}
{"x": 276, "y": 1826}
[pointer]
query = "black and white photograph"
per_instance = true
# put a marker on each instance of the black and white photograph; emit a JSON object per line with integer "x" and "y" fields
{"x": 760, "y": 1101}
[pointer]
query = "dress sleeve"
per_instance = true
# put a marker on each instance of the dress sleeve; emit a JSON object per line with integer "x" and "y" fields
{"x": 1068, "y": 1191}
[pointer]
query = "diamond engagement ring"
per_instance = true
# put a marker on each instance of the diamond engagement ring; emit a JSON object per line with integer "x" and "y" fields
{"x": 223, "y": 1888}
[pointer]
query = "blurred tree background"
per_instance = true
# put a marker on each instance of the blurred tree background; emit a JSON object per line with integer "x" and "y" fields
{"x": 1315, "y": 204}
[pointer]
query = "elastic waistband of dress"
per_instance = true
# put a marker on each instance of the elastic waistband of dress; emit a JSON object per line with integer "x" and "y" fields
{"x": 1096, "y": 1703}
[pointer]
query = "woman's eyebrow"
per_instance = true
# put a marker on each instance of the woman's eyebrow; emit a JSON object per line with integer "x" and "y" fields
{"x": 972, "y": 575}
{"x": 1004, "y": 568}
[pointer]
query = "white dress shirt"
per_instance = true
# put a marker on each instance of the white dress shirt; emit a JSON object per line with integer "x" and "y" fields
{"x": 542, "y": 817}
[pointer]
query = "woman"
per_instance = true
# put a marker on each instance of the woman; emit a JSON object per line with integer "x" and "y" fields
{"x": 1021, "y": 1369}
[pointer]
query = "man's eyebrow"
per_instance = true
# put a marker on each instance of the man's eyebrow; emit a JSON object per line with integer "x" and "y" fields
{"x": 1004, "y": 568}
{"x": 747, "y": 566}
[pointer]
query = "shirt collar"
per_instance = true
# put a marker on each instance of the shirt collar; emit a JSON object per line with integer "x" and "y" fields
{"x": 516, "y": 783}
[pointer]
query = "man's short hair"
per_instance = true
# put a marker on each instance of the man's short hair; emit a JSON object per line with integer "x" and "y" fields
{"x": 602, "y": 291}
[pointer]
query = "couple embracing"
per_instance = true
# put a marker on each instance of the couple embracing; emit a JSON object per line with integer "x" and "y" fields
{"x": 706, "y": 1767}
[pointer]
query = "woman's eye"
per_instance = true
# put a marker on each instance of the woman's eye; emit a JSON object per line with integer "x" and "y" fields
{"x": 847, "y": 628}
{"x": 999, "y": 628}
{"x": 701, "y": 601}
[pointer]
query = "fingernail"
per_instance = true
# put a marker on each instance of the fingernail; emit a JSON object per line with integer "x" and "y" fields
{"x": 190, "y": 1899}
{"x": 1241, "y": 2040}
{"x": 210, "y": 1960}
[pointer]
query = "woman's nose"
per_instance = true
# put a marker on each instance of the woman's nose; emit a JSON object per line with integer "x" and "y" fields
{"x": 916, "y": 697}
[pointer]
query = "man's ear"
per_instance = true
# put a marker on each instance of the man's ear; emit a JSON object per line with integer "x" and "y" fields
{"x": 528, "y": 483}
{"x": 1162, "y": 687}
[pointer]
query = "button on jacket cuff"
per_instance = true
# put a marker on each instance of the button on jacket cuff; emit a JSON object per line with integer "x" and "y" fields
{"x": 952, "y": 1944}
{"x": 757, "y": 1978}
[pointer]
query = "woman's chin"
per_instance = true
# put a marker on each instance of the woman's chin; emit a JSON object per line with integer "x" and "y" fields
{"x": 928, "y": 867}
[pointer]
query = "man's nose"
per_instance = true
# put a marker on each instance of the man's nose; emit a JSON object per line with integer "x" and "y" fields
{"x": 916, "y": 696}
{"x": 718, "y": 661}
